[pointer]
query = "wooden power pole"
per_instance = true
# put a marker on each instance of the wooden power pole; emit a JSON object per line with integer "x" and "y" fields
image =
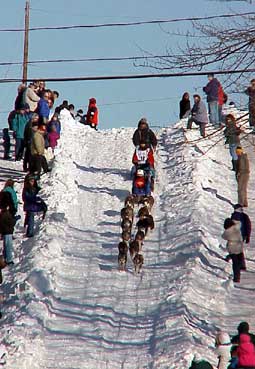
{"x": 25, "y": 57}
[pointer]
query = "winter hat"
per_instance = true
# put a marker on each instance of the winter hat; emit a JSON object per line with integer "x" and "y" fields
{"x": 239, "y": 150}
{"x": 237, "y": 206}
{"x": 243, "y": 327}
{"x": 223, "y": 338}
{"x": 92, "y": 100}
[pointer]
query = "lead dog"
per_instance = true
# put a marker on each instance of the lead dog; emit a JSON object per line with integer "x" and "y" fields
{"x": 122, "y": 257}
{"x": 138, "y": 263}
{"x": 130, "y": 201}
{"x": 148, "y": 201}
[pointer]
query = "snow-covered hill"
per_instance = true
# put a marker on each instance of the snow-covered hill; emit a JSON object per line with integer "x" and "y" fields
{"x": 66, "y": 304}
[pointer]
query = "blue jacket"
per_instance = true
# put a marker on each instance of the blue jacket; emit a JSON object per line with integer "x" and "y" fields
{"x": 32, "y": 202}
{"x": 18, "y": 125}
{"x": 43, "y": 108}
{"x": 13, "y": 195}
{"x": 212, "y": 90}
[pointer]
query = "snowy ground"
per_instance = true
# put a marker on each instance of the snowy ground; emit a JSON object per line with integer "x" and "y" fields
{"x": 67, "y": 306}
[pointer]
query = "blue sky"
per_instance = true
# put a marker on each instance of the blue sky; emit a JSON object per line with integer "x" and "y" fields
{"x": 114, "y": 97}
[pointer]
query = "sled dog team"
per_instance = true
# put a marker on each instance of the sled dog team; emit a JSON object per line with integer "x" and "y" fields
{"x": 142, "y": 174}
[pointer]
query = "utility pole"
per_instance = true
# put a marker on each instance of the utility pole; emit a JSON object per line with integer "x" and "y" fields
{"x": 25, "y": 57}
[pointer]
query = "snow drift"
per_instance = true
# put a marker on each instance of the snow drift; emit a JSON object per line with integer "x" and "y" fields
{"x": 66, "y": 304}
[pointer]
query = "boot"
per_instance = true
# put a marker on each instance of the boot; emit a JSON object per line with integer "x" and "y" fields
{"x": 234, "y": 163}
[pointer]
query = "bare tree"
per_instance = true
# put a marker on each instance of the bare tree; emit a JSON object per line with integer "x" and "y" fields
{"x": 212, "y": 46}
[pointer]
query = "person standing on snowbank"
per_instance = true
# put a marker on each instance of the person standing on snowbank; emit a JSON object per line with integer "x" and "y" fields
{"x": 92, "y": 114}
{"x": 223, "y": 349}
{"x": 144, "y": 134}
{"x": 231, "y": 133}
{"x": 242, "y": 176}
{"x": 212, "y": 92}
{"x": 198, "y": 115}
{"x": 250, "y": 91}
{"x": 234, "y": 240}
{"x": 184, "y": 106}
{"x": 7, "y": 224}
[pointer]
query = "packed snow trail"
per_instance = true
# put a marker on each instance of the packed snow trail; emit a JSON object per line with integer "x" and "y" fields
{"x": 69, "y": 307}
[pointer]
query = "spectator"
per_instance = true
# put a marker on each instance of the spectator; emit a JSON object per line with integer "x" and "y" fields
{"x": 32, "y": 203}
{"x": 144, "y": 134}
{"x": 232, "y": 133}
{"x": 212, "y": 92}
{"x": 234, "y": 240}
{"x": 31, "y": 97}
{"x": 6, "y": 143}
{"x": 38, "y": 160}
{"x": 245, "y": 352}
{"x": 201, "y": 364}
{"x": 238, "y": 216}
{"x": 222, "y": 99}
{"x": 28, "y": 135}
{"x": 43, "y": 108}
{"x": 92, "y": 114}
{"x": 55, "y": 95}
{"x": 10, "y": 118}
{"x": 242, "y": 175}
{"x": 250, "y": 91}
{"x": 54, "y": 121}
{"x": 20, "y": 100}
{"x": 243, "y": 328}
{"x": 7, "y": 223}
{"x": 9, "y": 188}
{"x": 19, "y": 123}
{"x": 198, "y": 115}
{"x": 71, "y": 109}
{"x": 79, "y": 115}
{"x": 184, "y": 106}
{"x": 223, "y": 349}
{"x": 53, "y": 137}
{"x": 41, "y": 88}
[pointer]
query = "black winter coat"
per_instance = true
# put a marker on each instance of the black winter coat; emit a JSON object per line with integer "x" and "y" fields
{"x": 7, "y": 222}
{"x": 146, "y": 136}
{"x": 184, "y": 108}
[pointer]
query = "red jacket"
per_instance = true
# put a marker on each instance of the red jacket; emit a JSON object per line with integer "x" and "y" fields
{"x": 143, "y": 157}
{"x": 220, "y": 95}
{"x": 246, "y": 351}
{"x": 92, "y": 114}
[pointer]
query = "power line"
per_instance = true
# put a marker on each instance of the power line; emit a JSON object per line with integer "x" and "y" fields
{"x": 117, "y": 58}
{"x": 128, "y": 24}
{"x": 131, "y": 76}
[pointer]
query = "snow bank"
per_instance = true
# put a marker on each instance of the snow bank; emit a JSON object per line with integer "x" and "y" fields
{"x": 68, "y": 306}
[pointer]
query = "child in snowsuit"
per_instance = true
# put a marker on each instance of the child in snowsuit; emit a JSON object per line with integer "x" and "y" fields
{"x": 223, "y": 349}
{"x": 6, "y": 143}
{"x": 53, "y": 137}
{"x": 234, "y": 246}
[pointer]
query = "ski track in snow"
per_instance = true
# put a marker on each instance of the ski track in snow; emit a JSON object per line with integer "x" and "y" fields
{"x": 66, "y": 304}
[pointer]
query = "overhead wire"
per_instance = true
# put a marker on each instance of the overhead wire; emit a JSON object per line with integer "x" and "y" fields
{"x": 130, "y": 76}
{"x": 128, "y": 24}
